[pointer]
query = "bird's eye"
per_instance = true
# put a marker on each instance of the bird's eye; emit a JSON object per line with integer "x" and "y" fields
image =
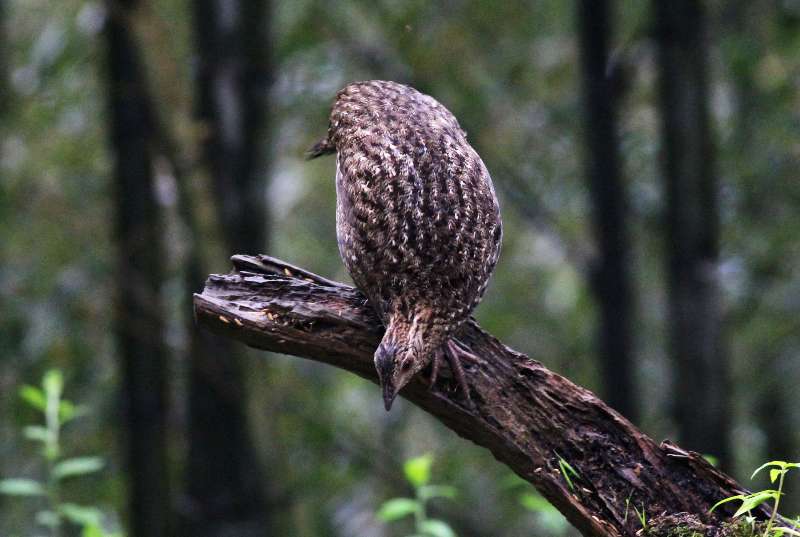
{"x": 406, "y": 366}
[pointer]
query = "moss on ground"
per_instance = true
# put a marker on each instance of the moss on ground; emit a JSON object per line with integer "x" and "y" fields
{"x": 686, "y": 525}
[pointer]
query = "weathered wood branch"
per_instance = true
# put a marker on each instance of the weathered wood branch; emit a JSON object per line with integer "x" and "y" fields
{"x": 527, "y": 416}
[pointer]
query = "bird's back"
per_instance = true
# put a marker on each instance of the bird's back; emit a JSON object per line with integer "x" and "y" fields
{"x": 418, "y": 222}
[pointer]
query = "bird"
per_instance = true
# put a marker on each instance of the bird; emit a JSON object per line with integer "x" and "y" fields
{"x": 417, "y": 223}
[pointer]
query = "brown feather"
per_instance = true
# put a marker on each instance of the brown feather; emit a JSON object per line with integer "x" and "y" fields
{"x": 417, "y": 218}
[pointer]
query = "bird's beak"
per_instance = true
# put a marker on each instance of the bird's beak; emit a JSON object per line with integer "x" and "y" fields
{"x": 389, "y": 393}
{"x": 323, "y": 147}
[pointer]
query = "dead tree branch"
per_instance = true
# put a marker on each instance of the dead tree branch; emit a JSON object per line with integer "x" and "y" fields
{"x": 528, "y": 417}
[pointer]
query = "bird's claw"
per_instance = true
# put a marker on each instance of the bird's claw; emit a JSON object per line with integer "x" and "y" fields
{"x": 435, "y": 363}
{"x": 453, "y": 351}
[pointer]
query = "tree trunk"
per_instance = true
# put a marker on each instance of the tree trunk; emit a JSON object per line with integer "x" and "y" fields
{"x": 610, "y": 273}
{"x": 701, "y": 384}
{"x": 138, "y": 313}
{"x": 5, "y": 71}
{"x": 224, "y": 485}
{"x": 530, "y": 418}
{"x": 233, "y": 77}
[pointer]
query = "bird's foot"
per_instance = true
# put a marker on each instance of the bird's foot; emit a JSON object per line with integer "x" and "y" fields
{"x": 453, "y": 351}
{"x": 435, "y": 364}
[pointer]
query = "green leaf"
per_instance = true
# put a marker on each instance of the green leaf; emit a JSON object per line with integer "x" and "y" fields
{"x": 437, "y": 528}
{"x": 37, "y": 433}
{"x": 566, "y": 471}
{"x": 535, "y": 503}
{"x": 68, "y": 411}
{"x": 48, "y": 518}
{"x": 754, "y": 500}
{"x": 779, "y": 464}
{"x": 81, "y": 515}
{"x": 726, "y": 500}
{"x": 787, "y": 531}
{"x": 418, "y": 470}
{"x": 53, "y": 383}
{"x": 397, "y": 508}
{"x": 426, "y": 492}
{"x": 774, "y": 474}
{"x": 511, "y": 481}
{"x": 21, "y": 487}
{"x": 92, "y": 530}
{"x": 33, "y": 396}
{"x": 77, "y": 466}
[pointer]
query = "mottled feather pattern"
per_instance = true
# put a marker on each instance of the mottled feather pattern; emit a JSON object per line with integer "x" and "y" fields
{"x": 417, "y": 219}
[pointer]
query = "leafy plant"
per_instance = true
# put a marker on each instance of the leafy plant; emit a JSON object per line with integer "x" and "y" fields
{"x": 567, "y": 471}
{"x": 418, "y": 473}
{"x": 641, "y": 515}
{"x": 56, "y": 413}
{"x": 550, "y": 520}
{"x": 778, "y": 471}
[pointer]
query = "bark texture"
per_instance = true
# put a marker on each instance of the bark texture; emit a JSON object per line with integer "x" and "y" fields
{"x": 528, "y": 417}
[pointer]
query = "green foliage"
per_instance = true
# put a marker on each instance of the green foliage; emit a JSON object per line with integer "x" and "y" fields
{"x": 418, "y": 470}
{"x": 397, "y": 508}
{"x": 567, "y": 472}
{"x": 642, "y": 516}
{"x": 547, "y": 517}
{"x": 418, "y": 474}
{"x": 77, "y": 466}
{"x": 21, "y": 487}
{"x": 777, "y": 472}
{"x": 56, "y": 412}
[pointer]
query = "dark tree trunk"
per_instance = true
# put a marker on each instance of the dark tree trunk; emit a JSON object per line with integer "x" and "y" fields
{"x": 530, "y": 418}
{"x": 233, "y": 77}
{"x": 138, "y": 311}
{"x": 224, "y": 489}
{"x": 223, "y": 494}
{"x": 610, "y": 272}
{"x": 5, "y": 104}
{"x": 701, "y": 384}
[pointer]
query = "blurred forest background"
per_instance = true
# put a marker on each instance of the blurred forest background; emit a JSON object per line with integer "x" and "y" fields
{"x": 646, "y": 157}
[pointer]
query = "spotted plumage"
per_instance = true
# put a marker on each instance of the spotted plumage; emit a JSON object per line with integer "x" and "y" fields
{"x": 417, "y": 221}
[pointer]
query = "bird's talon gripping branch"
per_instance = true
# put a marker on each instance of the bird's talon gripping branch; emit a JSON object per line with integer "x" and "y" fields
{"x": 454, "y": 354}
{"x": 435, "y": 363}
{"x": 464, "y": 351}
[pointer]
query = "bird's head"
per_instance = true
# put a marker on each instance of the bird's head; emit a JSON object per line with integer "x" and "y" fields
{"x": 396, "y": 366}
{"x": 357, "y": 105}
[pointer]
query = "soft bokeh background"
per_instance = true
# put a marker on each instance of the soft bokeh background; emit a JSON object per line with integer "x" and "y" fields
{"x": 310, "y": 447}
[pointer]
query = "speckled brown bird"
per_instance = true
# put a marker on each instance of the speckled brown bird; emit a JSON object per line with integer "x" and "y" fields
{"x": 417, "y": 221}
